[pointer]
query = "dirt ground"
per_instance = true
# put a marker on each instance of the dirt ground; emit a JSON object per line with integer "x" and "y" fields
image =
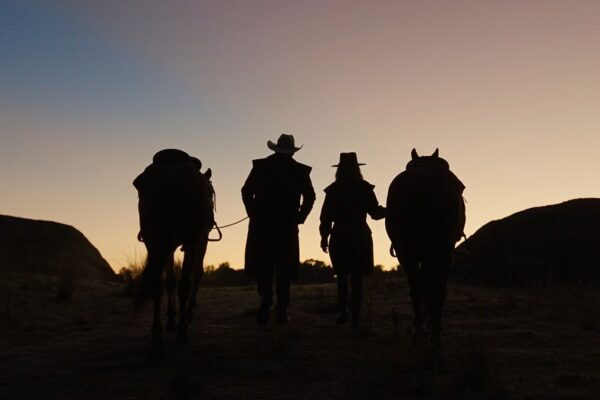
{"x": 498, "y": 343}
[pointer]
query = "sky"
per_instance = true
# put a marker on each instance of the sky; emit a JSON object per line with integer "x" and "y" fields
{"x": 509, "y": 92}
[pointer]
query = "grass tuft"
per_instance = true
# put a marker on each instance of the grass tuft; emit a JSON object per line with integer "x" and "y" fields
{"x": 130, "y": 273}
{"x": 475, "y": 368}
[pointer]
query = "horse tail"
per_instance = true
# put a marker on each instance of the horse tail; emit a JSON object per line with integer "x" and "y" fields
{"x": 149, "y": 281}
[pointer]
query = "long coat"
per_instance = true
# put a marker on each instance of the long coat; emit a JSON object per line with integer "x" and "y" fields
{"x": 344, "y": 217}
{"x": 278, "y": 195}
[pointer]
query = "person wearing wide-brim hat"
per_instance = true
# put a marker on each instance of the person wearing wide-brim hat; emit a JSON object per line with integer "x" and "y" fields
{"x": 278, "y": 195}
{"x": 344, "y": 231}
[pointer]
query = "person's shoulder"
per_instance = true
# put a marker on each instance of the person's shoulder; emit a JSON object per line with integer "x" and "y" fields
{"x": 259, "y": 162}
{"x": 303, "y": 168}
{"x": 331, "y": 188}
{"x": 367, "y": 185}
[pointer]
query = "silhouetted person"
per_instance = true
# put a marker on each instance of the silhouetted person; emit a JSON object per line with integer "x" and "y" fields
{"x": 344, "y": 217}
{"x": 272, "y": 196}
{"x": 426, "y": 217}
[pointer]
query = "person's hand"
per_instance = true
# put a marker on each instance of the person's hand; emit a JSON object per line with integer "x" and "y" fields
{"x": 324, "y": 244}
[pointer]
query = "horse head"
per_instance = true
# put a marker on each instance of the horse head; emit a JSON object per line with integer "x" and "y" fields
{"x": 213, "y": 196}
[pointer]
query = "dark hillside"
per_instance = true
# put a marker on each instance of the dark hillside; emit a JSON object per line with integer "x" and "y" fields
{"x": 50, "y": 248}
{"x": 552, "y": 245}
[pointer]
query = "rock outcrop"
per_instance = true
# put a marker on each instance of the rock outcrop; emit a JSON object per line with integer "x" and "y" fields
{"x": 552, "y": 245}
{"x": 50, "y": 248}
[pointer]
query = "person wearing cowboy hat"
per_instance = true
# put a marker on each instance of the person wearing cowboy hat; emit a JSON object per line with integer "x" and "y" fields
{"x": 344, "y": 231}
{"x": 278, "y": 195}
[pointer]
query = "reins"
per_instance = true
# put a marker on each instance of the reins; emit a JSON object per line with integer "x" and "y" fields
{"x": 218, "y": 228}
{"x": 232, "y": 224}
{"x": 213, "y": 200}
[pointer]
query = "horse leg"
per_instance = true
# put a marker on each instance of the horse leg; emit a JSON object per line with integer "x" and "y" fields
{"x": 171, "y": 284}
{"x": 197, "y": 273}
{"x": 157, "y": 346}
{"x": 435, "y": 272}
{"x": 189, "y": 261}
{"x": 413, "y": 274}
{"x": 154, "y": 267}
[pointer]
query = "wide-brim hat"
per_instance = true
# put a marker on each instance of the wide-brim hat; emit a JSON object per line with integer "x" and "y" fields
{"x": 348, "y": 160}
{"x": 285, "y": 145}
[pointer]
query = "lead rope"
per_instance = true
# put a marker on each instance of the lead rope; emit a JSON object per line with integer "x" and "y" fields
{"x": 218, "y": 229}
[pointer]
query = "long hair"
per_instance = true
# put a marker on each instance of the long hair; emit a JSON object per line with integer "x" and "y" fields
{"x": 348, "y": 173}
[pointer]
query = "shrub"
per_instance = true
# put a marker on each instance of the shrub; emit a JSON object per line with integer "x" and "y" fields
{"x": 130, "y": 273}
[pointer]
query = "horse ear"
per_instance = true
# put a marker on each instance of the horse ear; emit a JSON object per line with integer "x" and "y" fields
{"x": 414, "y": 154}
{"x": 436, "y": 153}
{"x": 208, "y": 174}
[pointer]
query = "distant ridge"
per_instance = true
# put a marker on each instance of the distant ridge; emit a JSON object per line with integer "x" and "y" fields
{"x": 45, "y": 247}
{"x": 543, "y": 246}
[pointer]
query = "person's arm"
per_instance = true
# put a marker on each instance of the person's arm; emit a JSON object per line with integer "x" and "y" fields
{"x": 308, "y": 198}
{"x": 375, "y": 210}
{"x": 326, "y": 222}
{"x": 248, "y": 191}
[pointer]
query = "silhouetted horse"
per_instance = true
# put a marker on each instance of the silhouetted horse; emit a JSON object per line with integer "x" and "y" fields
{"x": 425, "y": 219}
{"x": 176, "y": 209}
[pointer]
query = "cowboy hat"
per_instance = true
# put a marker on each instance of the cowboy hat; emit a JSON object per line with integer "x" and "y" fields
{"x": 348, "y": 160}
{"x": 285, "y": 145}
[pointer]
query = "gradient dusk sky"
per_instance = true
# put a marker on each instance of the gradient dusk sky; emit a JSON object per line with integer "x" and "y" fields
{"x": 508, "y": 90}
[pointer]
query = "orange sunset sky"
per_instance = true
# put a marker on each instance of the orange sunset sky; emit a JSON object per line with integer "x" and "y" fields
{"x": 508, "y": 90}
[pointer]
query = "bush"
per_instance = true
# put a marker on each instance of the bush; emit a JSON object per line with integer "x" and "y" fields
{"x": 130, "y": 273}
{"x": 224, "y": 275}
{"x": 315, "y": 271}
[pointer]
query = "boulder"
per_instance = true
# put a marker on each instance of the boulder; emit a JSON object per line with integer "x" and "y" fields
{"x": 49, "y": 248}
{"x": 543, "y": 246}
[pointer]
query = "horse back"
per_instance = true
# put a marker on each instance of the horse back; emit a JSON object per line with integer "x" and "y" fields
{"x": 175, "y": 198}
{"x": 425, "y": 207}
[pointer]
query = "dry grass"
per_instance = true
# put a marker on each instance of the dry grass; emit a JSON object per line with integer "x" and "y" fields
{"x": 514, "y": 344}
{"x": 475, "y": 371}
